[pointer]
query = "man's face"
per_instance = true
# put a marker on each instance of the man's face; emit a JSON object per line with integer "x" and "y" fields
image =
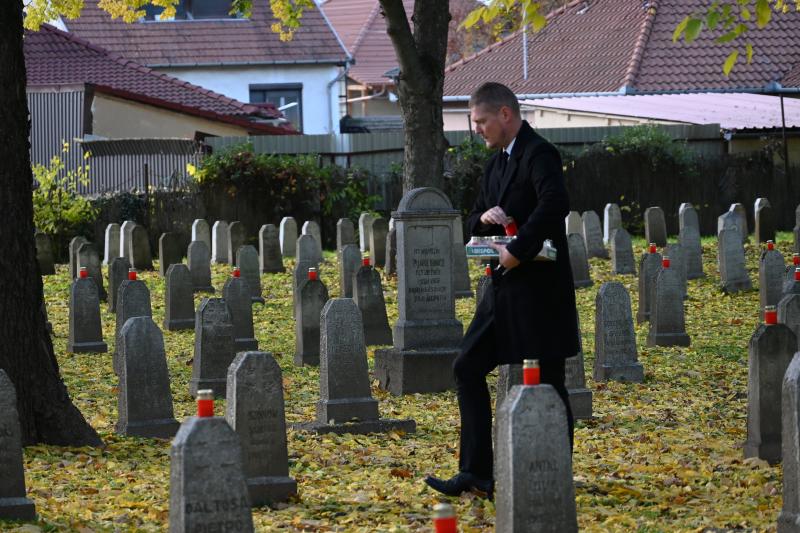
{"x": 492, "y": 125}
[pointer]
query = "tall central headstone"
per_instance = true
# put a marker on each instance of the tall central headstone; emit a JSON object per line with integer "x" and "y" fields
{"x": 13, "y": 503}
{"x": 288, "y": 236}
{"x": 614, "y": 337}
{"x": 213, "y": 347}
{"x": 655, "y": 226}
{"x": 667, "y": 322}
{"x": 427, "y": 334}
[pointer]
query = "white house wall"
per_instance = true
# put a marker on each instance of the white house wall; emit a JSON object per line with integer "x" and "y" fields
{"x": 321, "y": 109}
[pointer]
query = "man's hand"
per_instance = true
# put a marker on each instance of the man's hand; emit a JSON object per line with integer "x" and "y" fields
{"x": 506, "y": 258}
{"x": 495, "y": 215}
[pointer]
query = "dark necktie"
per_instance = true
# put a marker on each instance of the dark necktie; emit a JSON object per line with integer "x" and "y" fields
{"x": 502, "y": 162}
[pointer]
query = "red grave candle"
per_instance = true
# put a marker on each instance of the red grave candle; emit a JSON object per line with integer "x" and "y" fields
{"x": 312, "y": 274}
{"x": 365, "y": 261}
{"x": 84, "y": 272}
{"x": 665, "y": 262}
{"x": 797, "y": 274}
{"x": 652, "y": 248}
{"x": 205, "y": 403}
{"x": 531, "y": 373}
{"x": 770, "y": 315}
{"x": 444, "y": 518}
{"x": 488, "y": 270}
{"x": 770, "y": 245}
{"x": 237, "y": 273}
{"x": 132, "y": 274}
{"x": 796, "y": 259}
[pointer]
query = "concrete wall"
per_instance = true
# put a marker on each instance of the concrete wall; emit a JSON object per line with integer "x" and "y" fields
{"x": 321, "y": 109}
{"x": 117, "y": 118}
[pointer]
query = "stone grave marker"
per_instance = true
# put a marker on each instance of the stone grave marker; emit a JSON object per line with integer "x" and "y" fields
{"x": 687, "y": 217}
{"x": 219, "y": 242}
{"x": 111, "y": 243}
{"x": 771, "y": 274}
{"x": 649, "y": 265}
{"x": 14, "y": 505}
{"x": 74, "y": 245}
{"x": 133, "y": 299}
{"x": 237, "y": 295}
{"x": 198, "y": 259}
{"x": 349, "y": 263}
{"x": 427, "y": 333}
{"x": 377, "y": 241}
{"x": 144, "y": 400}
{"x": 345, "y": 233}
{"x": 655, "y": 226}
{"x": 771, "y": 349}
{"x": 85, "y": 328}
{"x": 593, "y": 236}
{"x": 693, "y": 252}
{"x": 615, "y": 355}
{"x": 677, "y": 260}
{"x": 300, "y": 274}
{"x": 311, "y": 297}
{"x": 346, "y": 404}
{"x": 307, "y": 249}
{"x": 288, "y": 236}
{"x": 368, "y": 295}
{"x": 792, "y": 283}
{"x": 178, "y": 298}
{"x": 508, "y": 376}
{"x": 269, "y": 253}
{"x": 789, "y": 313}
{"x": 574, "y": 223}
{"x": 622, "y": 261}
{"x": 208, "y": 490}
{"x": 727, "y": 221}
{"x": 364, "y": 225}
{"x": 117, "y": 273}
{"x": 201, "y": 232}
{"x": 247, "y": 260}
{"x": 461, "y": 284}
{"x": 789, "y": 518}
{"x": 236, "y": 237}
{"x": 612, "y": 221}
{"x": 535, "y": 491}
{"x": 581, "y": 276}
{"x": 741, "y": 220}
{"x": 667, "y": 320}
{"x": 765, "y": 221}
{"x": 255, "y": 410}
{"x": 44, "y": 254}
{"x": 213, "y": 347}
{"x": 580, "y": 398}
{"x": 732, "y": 269}
{"x": 139, "y": 249}
{"x": 89, "y": 258}
{"x": 125, "y": 239}
{"x": 390, "y": 268}
{"x": 312, "y": 228}
{"x": 170, "y": 251}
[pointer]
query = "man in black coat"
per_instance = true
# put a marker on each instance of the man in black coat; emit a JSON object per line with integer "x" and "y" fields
{"x": 530, "y": 312}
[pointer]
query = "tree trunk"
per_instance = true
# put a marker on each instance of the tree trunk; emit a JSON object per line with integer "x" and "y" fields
{"x": 46, "y": 412}
{"x": 421, "y": 55}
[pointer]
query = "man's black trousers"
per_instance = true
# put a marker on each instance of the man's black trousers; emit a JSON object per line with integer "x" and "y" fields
{"x": 474, "y": 402}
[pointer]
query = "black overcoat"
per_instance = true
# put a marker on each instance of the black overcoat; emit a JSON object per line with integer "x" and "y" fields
{"x": 530, "y": 310}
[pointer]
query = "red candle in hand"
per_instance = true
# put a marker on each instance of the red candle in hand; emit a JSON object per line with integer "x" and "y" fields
{"x": 488, "y": 270}
{"x": 205, "y": 403}
{"x": 511, "y": 228}
{"x": 531, "y": 374}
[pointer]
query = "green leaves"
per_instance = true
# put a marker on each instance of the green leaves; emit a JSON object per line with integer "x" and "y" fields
{"x": 763, "y": 13}
{"x": 729, "y": 62}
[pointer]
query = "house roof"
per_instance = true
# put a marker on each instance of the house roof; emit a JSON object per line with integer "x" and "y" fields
{"x": 605, "y": 46}
{"x": 362, "y": 28}
{"x": 56, "y": 58}
{"x": 210, "y": 42}
{"x": 732, "y": 111}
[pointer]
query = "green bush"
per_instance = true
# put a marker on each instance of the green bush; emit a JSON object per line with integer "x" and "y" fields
{"x": 464, "y": 166}
{"x": 58, "y": 209}
{"x": 651, "y": 142}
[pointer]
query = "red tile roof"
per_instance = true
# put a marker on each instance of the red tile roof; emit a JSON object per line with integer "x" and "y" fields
{"x": 609, "y": 45}
{"x": 210, "y": 42}
{"x": 362, "y": 28}
{"x": 55, "y": 58}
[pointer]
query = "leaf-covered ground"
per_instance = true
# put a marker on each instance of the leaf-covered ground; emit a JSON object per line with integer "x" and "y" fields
{"x": 663, "y": 455}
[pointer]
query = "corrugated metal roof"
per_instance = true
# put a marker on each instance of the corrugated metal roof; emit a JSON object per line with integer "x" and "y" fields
{"x": 732, "y": 111}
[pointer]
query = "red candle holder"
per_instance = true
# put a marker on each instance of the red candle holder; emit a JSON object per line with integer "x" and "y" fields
{"x": 665, "y": 262}
{"x": 132, "y": 274}
{"x": 652, "y": 249}
{"x": 84, "y": 272}
{"x": 237, "y": 273}
{"x": 205, "y": 403}
{"x": 511, "y": 228}
{"x": 796, "y": 259}
{"x": 531, "y": 373}
{"x": 365, "y": 261}
{"x": 770, "y": 315}
{"x": 444, "y": 518}
{"x": 312, "y": 274}
{"x": 770, "y": 245}
{"x": 797, "y": 274}
{"x": 488, "y": 270}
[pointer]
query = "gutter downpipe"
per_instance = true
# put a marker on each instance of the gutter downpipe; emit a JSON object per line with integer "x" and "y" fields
{"x": 339, "y": 77}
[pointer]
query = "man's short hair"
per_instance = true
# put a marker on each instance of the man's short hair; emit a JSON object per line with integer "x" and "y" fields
{"x": 492, "y": 96}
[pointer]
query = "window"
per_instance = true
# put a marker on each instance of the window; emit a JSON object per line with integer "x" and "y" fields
{"x": 288, "y": 98}
{"x": 192, "y": 10}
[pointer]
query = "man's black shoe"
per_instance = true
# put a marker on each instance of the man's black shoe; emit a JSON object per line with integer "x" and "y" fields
{"x": 462, "y": 482}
